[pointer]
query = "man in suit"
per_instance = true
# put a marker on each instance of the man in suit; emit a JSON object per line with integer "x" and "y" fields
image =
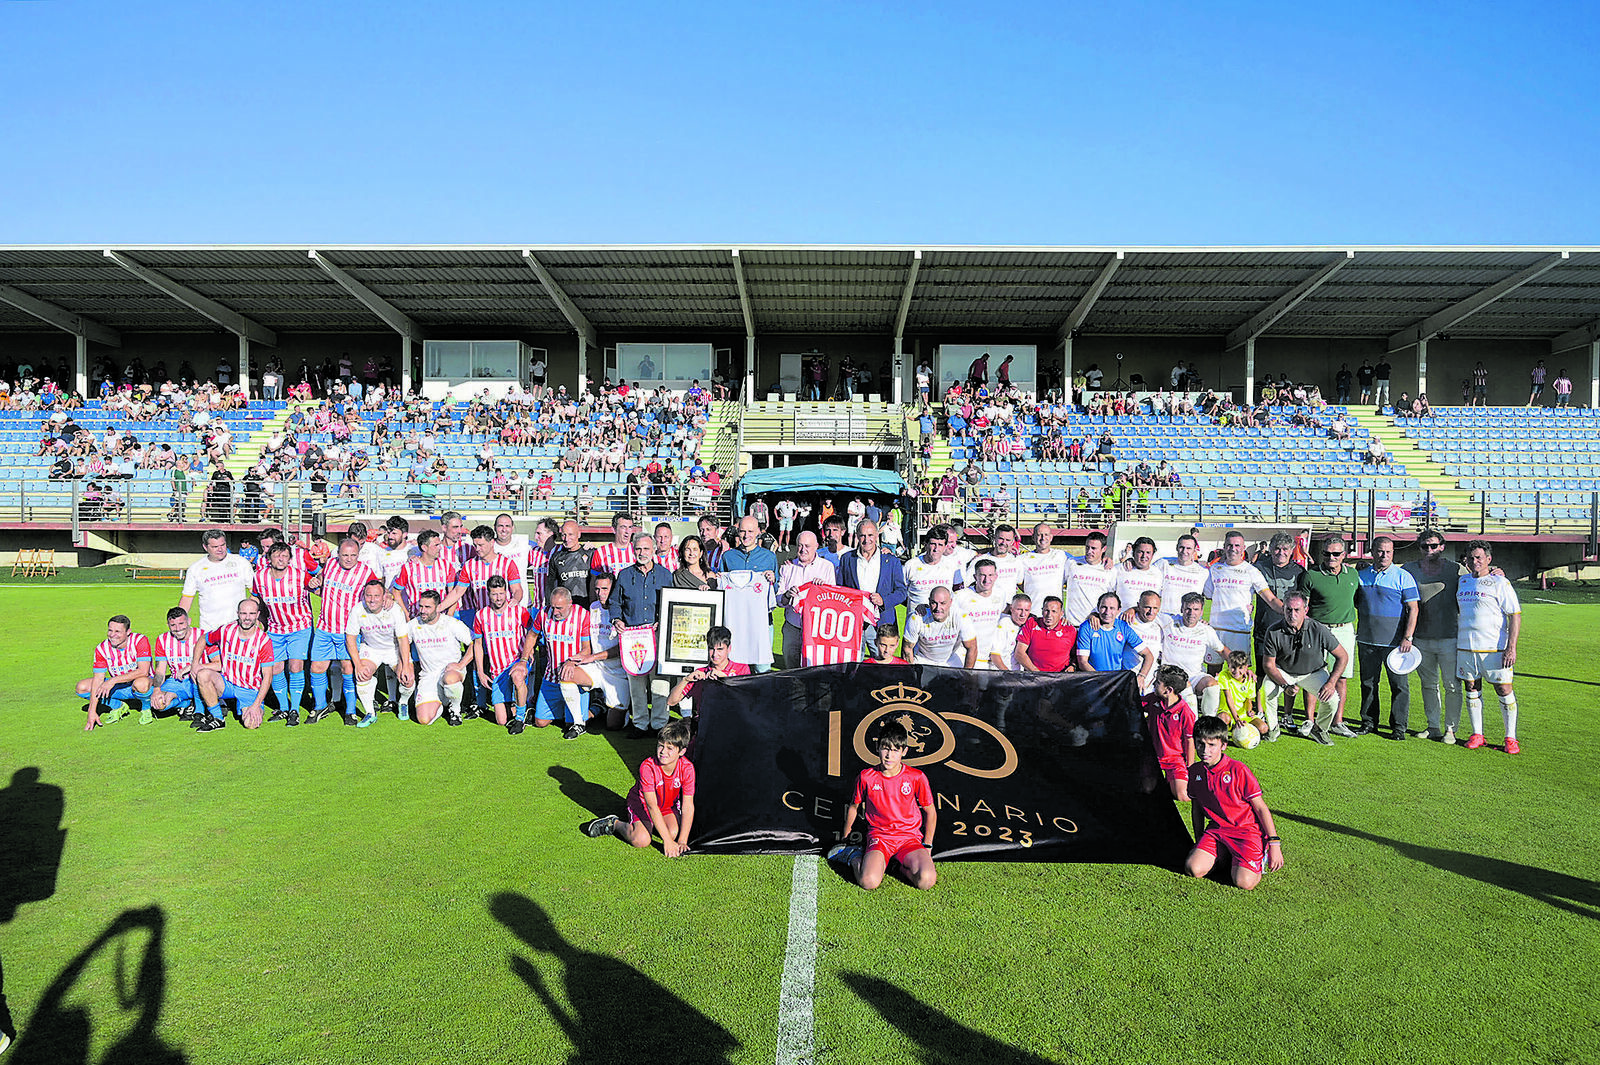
{"x": 875, "y": 570}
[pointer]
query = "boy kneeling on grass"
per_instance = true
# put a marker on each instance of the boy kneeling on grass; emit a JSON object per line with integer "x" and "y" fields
{"x": 662, "y": 800}
{"x": 1231, "y": 819}
{"x": 896, "y": 801}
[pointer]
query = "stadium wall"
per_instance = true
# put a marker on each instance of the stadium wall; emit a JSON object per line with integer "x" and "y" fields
{"x": 1317, "y": 359}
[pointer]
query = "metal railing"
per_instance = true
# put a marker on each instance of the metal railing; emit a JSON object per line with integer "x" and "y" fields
{"x": 802, "y": 425}
{"x": 1368, "y": 511}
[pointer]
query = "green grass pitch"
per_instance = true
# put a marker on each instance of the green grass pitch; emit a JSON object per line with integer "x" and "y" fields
{"x": 404, "y": 894}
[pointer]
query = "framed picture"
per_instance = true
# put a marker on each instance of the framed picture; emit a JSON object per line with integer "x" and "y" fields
{"x": 686, "y": 615}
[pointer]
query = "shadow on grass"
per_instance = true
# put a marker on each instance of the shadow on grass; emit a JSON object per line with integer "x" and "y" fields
{"x": 940, "y": 1040}
{"x": 612, "y": 1012}
{"x": 1570, "y": 893}
{"x": 598, "y": 799}
{"x": 62, "y": 1033}
{"x": 31, "y": 844}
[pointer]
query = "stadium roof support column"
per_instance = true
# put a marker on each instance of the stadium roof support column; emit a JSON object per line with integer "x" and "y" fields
{"x": 1422, "y": 367}
{"x": 234, "y": 322}
{"x": 1261, "y": 321}
{"x": 83, "y": 329}
{"x": 1250, "y": 371}
{"x": 749, "y": 327}
{"x": 1438, "y": 322}
{"x": 1583, "y": 336}
{"x": 899, "y": 384}
{"x": 587, "y": 335}
{"x": 1075, "y": 320}
{"x": 1594, "y": 373}
{"x": 393, "y": 316}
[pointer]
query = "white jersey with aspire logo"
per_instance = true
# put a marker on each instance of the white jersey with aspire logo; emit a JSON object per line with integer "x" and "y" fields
{"x": 1085, "y": 585}
{"x": 1044, "y": 573}
{"x": 938, "y": 643}
{"x": 1004, "y": 644}
{"x": 375, "y": 633}
{"x": 372, "y": 555}
{"x": 1186, "y": 647}
{"x": 1178, "y": 581}
{"x": 1009, "y": 570}
{"x": 1132, "y": 583}
{"x": 393, "y": 561}
{"x": 1487, "y": 604}
{"x": 922, "y": 577}
{"x": 1150, "y": 632}
{"x": 1232, "y": 591}
{"x": 217, "y": 589}
{"x": 983, "y": 612}
{"x": 439, "y": 645}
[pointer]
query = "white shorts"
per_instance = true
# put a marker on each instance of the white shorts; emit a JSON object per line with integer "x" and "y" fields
{"x": 1233, "y": 641}
{"x": 429, "y": 684}
{"x": 1346, "y": 635}
{"x": 1471, "y": 665}
{"x": 610, "y": 680}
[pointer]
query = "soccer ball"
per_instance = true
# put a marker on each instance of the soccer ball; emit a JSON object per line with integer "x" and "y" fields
{"x": 1246, "y": 736}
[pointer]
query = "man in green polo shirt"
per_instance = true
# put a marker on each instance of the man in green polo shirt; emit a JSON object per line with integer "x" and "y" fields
{"x": 1331, "y": 586}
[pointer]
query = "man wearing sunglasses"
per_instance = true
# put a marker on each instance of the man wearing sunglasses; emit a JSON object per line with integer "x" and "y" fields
{"x": 1437, "y": 576}
{"x": 1330, "y": 587}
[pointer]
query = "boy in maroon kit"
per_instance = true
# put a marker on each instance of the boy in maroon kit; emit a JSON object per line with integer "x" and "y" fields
{"x": 897, "y": 803}
{"x": 1172, "y": 729}
{"x": 662, "y": 800}
{"x": 1226, "y": 796}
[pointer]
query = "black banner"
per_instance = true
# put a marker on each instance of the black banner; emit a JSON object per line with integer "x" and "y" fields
{"x": 1024, "y": 766}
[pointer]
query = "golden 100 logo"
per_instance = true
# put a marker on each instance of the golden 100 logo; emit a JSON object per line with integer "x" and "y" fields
{"x": 933, "y": 741}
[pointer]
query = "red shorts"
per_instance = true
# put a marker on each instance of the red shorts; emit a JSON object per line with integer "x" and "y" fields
{"x": 894, "y": 848}
{"x": 1245, "y": 845}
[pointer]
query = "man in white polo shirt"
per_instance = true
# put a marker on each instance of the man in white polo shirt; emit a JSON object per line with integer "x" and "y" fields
{"x": 983, "y": 606}
{"x": 214, "y": 587}
{"x": 937, "y": 636}
{"x": 1233, "y": 586}
{"x": 1180, "y": 577}
{"x": 1088, "y": 580}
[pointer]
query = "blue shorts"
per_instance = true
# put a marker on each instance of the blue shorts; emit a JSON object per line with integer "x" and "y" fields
{"x": 124, "y": 692}
{"x": 548, "y": 704}
{"x": 500, "y": 690}
{"x": 242, "y": 697}
{"x": 183, "y": 692}
{"x": 326, "y": 647}
{"x": 291, "y": 645}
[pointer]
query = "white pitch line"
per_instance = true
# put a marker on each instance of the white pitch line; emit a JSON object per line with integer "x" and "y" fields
{"x": 796, "y": 1029}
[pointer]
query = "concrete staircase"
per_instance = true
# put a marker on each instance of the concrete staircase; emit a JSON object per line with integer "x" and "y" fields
{"x": 1447, "y": 493}
{"x": 246, "y": 456}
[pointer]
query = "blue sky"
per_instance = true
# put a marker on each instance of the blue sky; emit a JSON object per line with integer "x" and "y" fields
{"x": 1129, "y": 123}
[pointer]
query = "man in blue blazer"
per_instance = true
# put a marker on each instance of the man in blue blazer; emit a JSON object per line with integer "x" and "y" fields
{"x": 888, "y": 590}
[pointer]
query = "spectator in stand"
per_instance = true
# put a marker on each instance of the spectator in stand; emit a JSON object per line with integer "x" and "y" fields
{"x": 1342, "y": 382}
{"x": 1376, "y": 454}
{"x": 1536, "y": 378}
{"x": 1563, "y": 388}
{"x": 1480, "y": 385}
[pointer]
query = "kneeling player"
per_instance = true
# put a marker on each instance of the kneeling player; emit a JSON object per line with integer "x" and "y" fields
{"x": 1231, "y": 819}
{"x": 662, "y": 800}
{"x": 238, "y": 668}
{"x": 897, "y": 803}
{"x": 121, "y": 673}
{"x": 178, "y": 654}
{"x": 444, "y": 660}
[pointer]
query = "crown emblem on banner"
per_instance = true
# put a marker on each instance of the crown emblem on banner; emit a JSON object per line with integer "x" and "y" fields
{"x": 901, "y": 694}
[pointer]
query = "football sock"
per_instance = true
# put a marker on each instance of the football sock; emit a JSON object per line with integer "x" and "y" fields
{"x": 297, "y": 689}
{"x": 1508, "y": 707}
{"x": 349, "y": 690}
{"x": 1211, "y": 699}
{"x": 1475, "y": 711}
{"x": 520, "y": 713}
{"x": 280, "y": 689}
{"x": 453, "y": 695}
{"x": 214, "y": 710}
{"x": 574, "y": 700}
{"x": 319, "y": 692}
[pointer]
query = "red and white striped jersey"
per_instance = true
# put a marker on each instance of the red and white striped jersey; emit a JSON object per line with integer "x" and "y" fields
{"x": 501, "y": 632}
{"x": 178, "y": 654}
{"x": 242, "y": 658}
{"x": 417, "y": 576}
{"x": 831, "y": 622}
{"x": 612, "y": 558}
{"x": 476, "y": 573}
{"x": 460, "y": 552}
{"x": 299, "y": 558}
{"x": 668, "y": 559}
{"x": 565, "y": 638}
{"x": 286, "y": 599}
{"x": 115, "y": 660}
{"x": 341, "y": 591}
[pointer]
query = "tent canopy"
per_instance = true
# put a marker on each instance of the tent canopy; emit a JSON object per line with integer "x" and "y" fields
{"x": 818, "y": 477}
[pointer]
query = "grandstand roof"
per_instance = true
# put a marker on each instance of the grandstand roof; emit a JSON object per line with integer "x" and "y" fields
{"x": 1397, "y": 292}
